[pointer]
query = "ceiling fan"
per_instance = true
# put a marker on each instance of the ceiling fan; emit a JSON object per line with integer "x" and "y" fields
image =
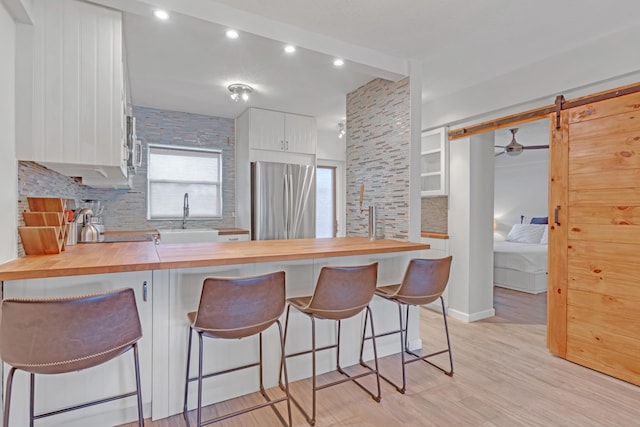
{"x": 514, "y": 148}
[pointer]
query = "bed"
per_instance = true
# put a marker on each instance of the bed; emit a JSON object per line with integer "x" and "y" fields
{"x": 521, "y": 266}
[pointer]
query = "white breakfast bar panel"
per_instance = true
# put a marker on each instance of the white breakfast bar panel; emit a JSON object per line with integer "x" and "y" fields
{"x": 177, "y": 292}
{"x": 113, "y": 377}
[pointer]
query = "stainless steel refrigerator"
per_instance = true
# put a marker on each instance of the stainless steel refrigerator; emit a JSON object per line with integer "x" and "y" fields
{"x": 283, "y": 201}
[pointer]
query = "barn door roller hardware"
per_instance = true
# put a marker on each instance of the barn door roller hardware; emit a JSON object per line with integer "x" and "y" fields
{"x": 559, "y": 102}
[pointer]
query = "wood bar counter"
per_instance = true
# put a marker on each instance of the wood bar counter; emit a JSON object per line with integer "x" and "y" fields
{"x": 167, "y": 280}
{"x": 98, "y": 258}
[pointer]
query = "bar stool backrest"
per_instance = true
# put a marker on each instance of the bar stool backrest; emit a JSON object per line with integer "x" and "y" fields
{"x": 342, "y": 292}
{"x": 424, "y": 281}
{"x": 240, "y": 307}
{"x": 51, "y": 336}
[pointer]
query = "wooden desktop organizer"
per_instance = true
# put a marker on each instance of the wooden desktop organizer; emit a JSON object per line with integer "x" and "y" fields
{"x": 46, "y": 227}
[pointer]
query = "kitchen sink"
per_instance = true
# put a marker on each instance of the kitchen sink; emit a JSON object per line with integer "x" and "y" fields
{"x": 189, "y": 235}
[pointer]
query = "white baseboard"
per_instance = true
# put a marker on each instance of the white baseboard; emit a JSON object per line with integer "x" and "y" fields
{"x": 470, "y": 317}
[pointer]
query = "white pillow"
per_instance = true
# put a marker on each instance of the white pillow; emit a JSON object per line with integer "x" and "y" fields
{"x": 544, "y": 240}
{"x": 526, "y": 233}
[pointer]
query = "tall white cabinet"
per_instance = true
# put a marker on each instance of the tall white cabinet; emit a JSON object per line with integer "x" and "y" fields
{"x": 71, "y": 96}
{"x": 270, "y": 136}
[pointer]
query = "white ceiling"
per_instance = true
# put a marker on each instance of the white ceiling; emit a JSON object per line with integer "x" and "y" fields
{"x": 186, "y": 63}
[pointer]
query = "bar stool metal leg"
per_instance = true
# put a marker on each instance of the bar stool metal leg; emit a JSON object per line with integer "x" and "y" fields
{"x": 32, "y": 403}
{"x": 136, "y": 360}
{"x": 199, "y": 413}
{"x": 7, "y": 397}
{"x": 424, "y": 358}
{"x": 186, "y": 382}
{"x": 404, "y": 347}
{"x": 283, "y": 365}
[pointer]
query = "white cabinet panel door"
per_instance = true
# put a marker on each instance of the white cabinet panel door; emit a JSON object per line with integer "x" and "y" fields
{"x": 266, "y": 130}
{"x": 300, "y": 134}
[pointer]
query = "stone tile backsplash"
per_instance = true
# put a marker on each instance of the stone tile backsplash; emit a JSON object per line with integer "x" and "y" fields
{"x": 127, "y": 209}
{"x": 435, "y": 214}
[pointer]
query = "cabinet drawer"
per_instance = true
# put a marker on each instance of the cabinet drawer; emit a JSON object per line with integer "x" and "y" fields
{"x": 233, "y": 237}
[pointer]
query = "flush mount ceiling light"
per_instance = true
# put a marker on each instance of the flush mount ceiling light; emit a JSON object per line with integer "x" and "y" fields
{"x": 232, "y": 34}
{"x": 338, "y": 62}
{"x": 161, "y": 14}
{"x": 342, "y": 129}
{"x": 240, "y": 91}
{"x": 289, "y": 48}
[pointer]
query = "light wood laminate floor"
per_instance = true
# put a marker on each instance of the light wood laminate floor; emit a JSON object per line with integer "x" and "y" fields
{"x": 504, "y": 376}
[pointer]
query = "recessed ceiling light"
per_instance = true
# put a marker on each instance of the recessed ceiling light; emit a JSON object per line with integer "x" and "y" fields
{"x": 289, "y": 48}
{"x": 232, "y": 34}
{"x": 338, "y": 62}
{"x": 161, "y": 14}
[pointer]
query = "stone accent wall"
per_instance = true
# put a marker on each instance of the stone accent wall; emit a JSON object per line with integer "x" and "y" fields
{"x": 378, "y": 156}
{"x": 435, "y": 214}
{"x": 127, "y": 209}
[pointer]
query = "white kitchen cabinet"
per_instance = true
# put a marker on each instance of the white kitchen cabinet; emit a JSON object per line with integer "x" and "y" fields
{"x": 277, "y": 131}
{"x": 72, "y": 111}
{"x": 434, "y": 162}
{"x": 114, "y": 377}
{"x": 439, "y": 249}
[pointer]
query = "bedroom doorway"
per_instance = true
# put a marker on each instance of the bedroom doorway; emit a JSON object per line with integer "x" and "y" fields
{"x": 521, "y": 192}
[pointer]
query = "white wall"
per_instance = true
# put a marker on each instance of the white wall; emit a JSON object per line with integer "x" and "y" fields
{"x": 470, "y": 231}
{"x": 330, "y": 147}
{"x": 597, "y": 65}
{"x": 521, "y": 182}
{"x": 521, "y": 189}
{"x": 8, "y": 162}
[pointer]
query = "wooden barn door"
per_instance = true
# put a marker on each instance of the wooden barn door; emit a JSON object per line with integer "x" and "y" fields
{"x": 594, "y": 251}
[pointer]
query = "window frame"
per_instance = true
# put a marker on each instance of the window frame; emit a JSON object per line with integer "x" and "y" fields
{"x": 182, "y": 148}
{"x": 334, "y": 196}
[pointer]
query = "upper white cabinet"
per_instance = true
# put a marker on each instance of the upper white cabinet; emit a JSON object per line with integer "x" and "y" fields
{"x": 277, "y": 131}
{"x": 434, "y": 161}
{"x": 71, "y": 113}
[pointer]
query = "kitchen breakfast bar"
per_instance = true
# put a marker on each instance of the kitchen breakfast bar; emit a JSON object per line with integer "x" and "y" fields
{"x": 167, "y": 280}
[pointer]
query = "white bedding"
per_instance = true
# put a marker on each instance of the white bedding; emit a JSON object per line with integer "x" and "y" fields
{"x": 530, "y": 258}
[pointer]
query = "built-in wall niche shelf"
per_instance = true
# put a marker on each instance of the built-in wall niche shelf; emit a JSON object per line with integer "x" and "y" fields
{"x": 434, "y": 161}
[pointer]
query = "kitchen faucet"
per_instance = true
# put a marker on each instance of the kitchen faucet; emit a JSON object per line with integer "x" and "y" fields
{"x": 185, "y": 210}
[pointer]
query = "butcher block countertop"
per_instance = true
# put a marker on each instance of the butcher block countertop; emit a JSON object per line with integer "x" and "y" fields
{"x": 98, "y": 258}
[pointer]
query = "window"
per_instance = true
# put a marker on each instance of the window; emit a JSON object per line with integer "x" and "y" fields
{"x": 176, "y": 171}
{"x": 326, "y": 202}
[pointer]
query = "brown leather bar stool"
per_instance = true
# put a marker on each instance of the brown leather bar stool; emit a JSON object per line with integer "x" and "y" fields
{"x": 424, "y": 282}
{"x": 60, "y": 335}
{"x": 234, "y": 308}
{"x": 340, "y": 293}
